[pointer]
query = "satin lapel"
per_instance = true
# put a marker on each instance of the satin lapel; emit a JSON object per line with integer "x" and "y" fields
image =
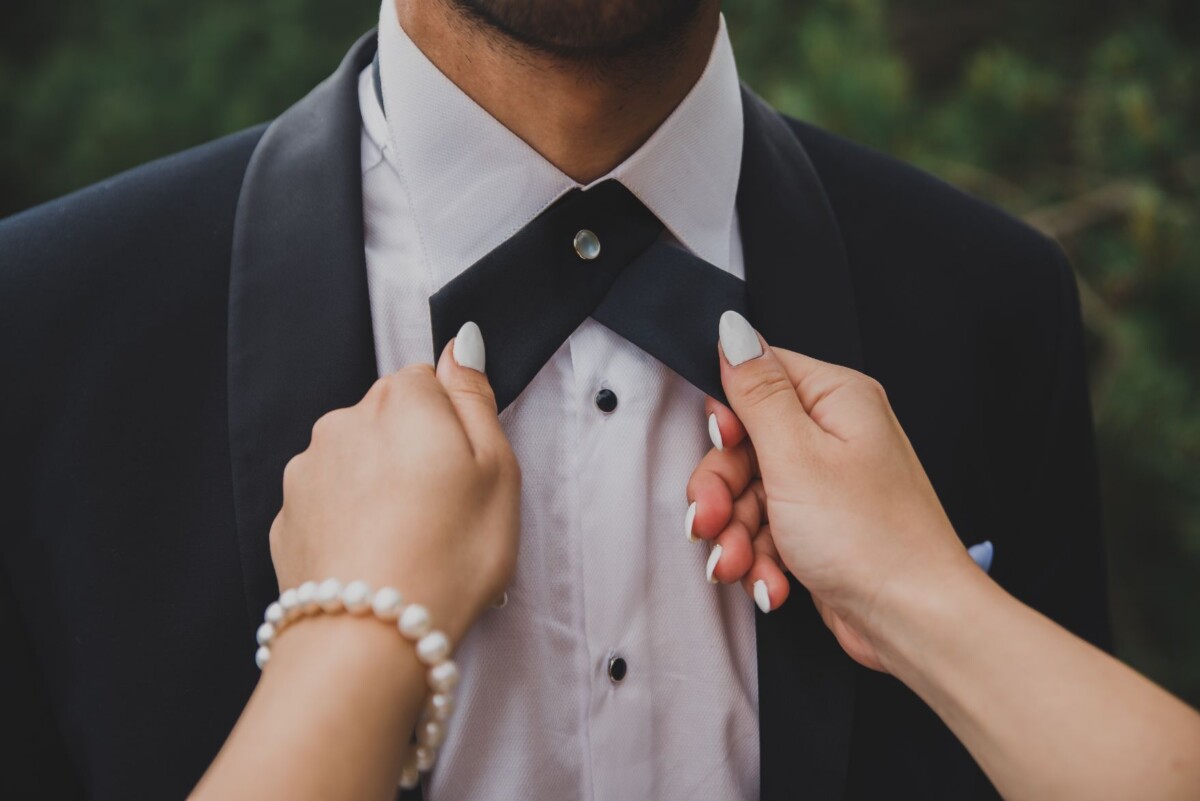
{"x": 300, "y": 338}
{"x": 801, "y": 298}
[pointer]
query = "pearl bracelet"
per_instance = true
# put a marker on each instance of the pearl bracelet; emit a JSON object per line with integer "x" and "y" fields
{"x": 412, "y": 620}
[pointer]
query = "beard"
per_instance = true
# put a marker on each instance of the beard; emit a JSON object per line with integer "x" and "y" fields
{"x": 586, "y": 30}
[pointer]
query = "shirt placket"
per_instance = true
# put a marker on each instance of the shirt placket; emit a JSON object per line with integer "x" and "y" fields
{"x": 611, "y": 458}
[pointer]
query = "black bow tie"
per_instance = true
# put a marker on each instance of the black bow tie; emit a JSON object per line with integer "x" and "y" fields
{"x": 596, "y": 253}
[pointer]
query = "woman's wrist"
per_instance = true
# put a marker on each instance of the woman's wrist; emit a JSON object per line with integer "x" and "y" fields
{"x": 917, "y": 620}
{"x": 346, "y": 640}
{"x": 352, "y": 680}
{"x": 450, "y": 609}
{"x": 330, "y": 599}
{"x": 359, "y": 651}
{"x": 410, "y": 624}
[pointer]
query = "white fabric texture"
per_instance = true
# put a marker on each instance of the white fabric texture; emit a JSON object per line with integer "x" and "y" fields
{"x": 604, "y": 568}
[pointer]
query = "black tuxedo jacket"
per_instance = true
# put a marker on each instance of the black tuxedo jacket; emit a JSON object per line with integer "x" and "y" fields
{"x": 170, "y": 335}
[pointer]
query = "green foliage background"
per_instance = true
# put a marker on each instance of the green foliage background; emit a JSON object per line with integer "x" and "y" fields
{"x": 1082, "y": 116}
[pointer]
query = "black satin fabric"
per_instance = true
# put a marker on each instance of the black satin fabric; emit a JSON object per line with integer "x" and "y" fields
{"x": 530, "y": 293}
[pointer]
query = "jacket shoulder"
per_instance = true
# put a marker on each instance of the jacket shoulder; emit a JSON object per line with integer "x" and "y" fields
{"x": 118, "y": 264}
{"x": 918, "y": 246}
{"x": 879, "y": 198}
{"x": 126, "y": 210}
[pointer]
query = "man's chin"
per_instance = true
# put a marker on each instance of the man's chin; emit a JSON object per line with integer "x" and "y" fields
{"x": 585, "y": 29}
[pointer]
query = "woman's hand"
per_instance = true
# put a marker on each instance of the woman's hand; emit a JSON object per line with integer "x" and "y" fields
{"x": 827, "y": 486}
{"x": 853, "y": 516}
{"x": 414, "y": 487}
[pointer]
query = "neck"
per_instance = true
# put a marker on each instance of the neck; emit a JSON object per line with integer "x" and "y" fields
{"x": 584, "y": 118}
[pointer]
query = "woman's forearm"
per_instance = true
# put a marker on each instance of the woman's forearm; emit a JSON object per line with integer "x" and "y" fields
{"x": 331, "y": 717}
{"x": 855, "y": 519}
{"x": 1044, "y": 713}
{"x": 414, "y": 487}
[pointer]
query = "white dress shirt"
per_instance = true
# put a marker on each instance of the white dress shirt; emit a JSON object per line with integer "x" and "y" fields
{"x": 605, "y": 570}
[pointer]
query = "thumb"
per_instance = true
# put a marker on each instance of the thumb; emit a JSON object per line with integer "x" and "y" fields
{"x": 760, "y": 391}
{"x": 461, "y": 373}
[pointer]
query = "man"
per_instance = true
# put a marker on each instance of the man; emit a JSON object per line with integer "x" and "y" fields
{"x": 590, "y": 183}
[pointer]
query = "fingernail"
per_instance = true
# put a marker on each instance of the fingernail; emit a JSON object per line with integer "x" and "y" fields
{"x": 713, "y": 558}
{"x": 689, "y": 520}
{"x": 738, "y": 339}
{"x": 714, "y": 433}
{"x": 468, "y": 347}
{"x": 761, "y": 597}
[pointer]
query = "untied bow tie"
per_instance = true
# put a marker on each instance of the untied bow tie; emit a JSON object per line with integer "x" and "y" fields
{"x": 595, "y": 253}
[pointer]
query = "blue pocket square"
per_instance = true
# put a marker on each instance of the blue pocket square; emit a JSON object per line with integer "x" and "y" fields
{"x": 982, "y": 554}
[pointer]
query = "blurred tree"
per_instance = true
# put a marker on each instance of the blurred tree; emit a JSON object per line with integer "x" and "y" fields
{"x": 90, "y": 88}
{"x": 1081, "y": 116}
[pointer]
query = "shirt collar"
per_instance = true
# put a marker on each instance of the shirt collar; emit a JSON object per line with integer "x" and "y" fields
{"x": 472, "y": 183}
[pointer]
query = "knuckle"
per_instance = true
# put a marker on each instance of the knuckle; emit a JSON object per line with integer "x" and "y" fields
{"x": 871, "y": 388}
{"x": 383, "y": 388}
{"x": 739, "y": 530}
{"x": 292, "y": 472}
{"x": 475, "y": 390}
{"x": 416, "y": 372}
{"x": 768, "y": 386}
{"x": 395, "y": 386}
{"x": 324, "y": 423}
{"x": 275, "y": 535}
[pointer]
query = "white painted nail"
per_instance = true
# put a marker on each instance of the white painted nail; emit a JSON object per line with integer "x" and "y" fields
{"x": 468, "y": 347}
{"x": 713, "y": 558}
{"x": 761, "y": 597}
{"x": 689, "y": 520}
{"x": 738, "y": 339}
{"x": 714, "y": 433}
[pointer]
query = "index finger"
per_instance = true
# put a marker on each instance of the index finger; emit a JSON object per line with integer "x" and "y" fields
{"x": 461, "y": 373}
